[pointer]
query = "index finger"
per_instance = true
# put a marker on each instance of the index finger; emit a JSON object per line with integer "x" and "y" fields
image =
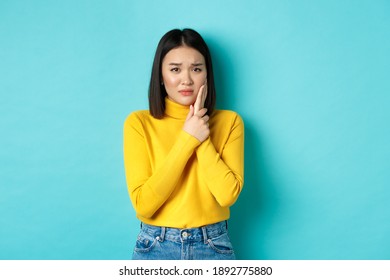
{"x": 199, "y": 103}
{"x": 204, "y": 94}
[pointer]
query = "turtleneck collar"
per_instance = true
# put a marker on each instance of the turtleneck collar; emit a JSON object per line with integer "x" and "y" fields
{"x": 175, "y": 110}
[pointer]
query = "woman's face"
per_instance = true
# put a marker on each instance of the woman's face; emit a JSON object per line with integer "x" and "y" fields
{"x": 183, "y": 72}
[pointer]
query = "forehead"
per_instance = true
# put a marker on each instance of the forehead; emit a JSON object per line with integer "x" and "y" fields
{"x": 183, "y": 54}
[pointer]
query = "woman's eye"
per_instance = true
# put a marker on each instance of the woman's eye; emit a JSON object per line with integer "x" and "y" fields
{"x": 197, "y": 69}
{"x": 176, "y": 69}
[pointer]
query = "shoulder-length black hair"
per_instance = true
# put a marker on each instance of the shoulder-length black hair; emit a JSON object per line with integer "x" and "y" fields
{"x": 173, "y": 39}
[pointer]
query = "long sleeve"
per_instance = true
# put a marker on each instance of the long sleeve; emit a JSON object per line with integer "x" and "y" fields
{"x": 149, "y": 187}
{"x": 223, "y": 172}
{"x": 173, "y": 179}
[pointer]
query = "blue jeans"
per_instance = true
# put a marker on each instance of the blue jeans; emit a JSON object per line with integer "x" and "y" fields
{"x": 210, "y": 242}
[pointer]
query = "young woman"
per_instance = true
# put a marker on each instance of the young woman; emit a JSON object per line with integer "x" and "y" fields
{"x": 183, "y": 159}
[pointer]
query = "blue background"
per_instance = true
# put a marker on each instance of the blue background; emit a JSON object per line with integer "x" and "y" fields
{"x": 309, "y": 78}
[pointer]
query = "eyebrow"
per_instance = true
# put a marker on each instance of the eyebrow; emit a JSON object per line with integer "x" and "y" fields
{"x": 179, "y": 64}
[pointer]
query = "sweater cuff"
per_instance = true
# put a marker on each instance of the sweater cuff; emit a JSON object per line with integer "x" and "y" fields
{"x": 210, "y": 160}
{"x": 189, "y": 140}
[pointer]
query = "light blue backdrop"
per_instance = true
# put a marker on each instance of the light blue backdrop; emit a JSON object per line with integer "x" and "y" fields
{"x": 310, "y": 79}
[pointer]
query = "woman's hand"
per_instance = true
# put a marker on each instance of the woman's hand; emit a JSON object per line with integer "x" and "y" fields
{"x": 197, "y": 122}
{"x": 201, "y": 98}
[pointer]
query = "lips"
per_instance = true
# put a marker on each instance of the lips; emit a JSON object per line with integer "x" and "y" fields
{"x": 186, "y": 92}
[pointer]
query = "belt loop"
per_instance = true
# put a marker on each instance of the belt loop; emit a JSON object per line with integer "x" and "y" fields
{"x": 226, "y": 224}
{"x": 162, "y": 234}
{"x": 205, "y": 237}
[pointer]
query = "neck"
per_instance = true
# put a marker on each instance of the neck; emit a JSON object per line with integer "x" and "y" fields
{"x": 175, "y": 110}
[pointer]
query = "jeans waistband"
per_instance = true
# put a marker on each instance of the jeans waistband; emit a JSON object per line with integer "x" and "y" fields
{"x": 188, "y": 234}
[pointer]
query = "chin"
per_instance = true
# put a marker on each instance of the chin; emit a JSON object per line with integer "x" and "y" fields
{"x": 185, "y": 101}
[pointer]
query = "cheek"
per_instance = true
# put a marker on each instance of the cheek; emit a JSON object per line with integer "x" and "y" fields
{"x": 200, "y": 81}
{"x": 171, "y": 81}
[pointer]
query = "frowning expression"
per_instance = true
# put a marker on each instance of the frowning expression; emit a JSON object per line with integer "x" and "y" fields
{"x": 183, "y": 73}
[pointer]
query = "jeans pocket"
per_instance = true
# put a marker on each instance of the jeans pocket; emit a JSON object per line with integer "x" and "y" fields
{"x": 221, "y": 244}
{"x": 145, "y": 242}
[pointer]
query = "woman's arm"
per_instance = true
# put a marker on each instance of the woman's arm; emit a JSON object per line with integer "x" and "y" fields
{"x": 148, "y": 188}
{"x": 224, "y": 173}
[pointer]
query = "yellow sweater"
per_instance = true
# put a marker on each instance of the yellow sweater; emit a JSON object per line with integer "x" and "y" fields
{"x": 173, "y": 179}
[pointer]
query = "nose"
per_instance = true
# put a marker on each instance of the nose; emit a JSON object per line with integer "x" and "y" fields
{"x": 187, "y": 79}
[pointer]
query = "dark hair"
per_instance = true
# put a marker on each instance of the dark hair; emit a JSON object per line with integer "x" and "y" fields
{"x": 173, "y": 39}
